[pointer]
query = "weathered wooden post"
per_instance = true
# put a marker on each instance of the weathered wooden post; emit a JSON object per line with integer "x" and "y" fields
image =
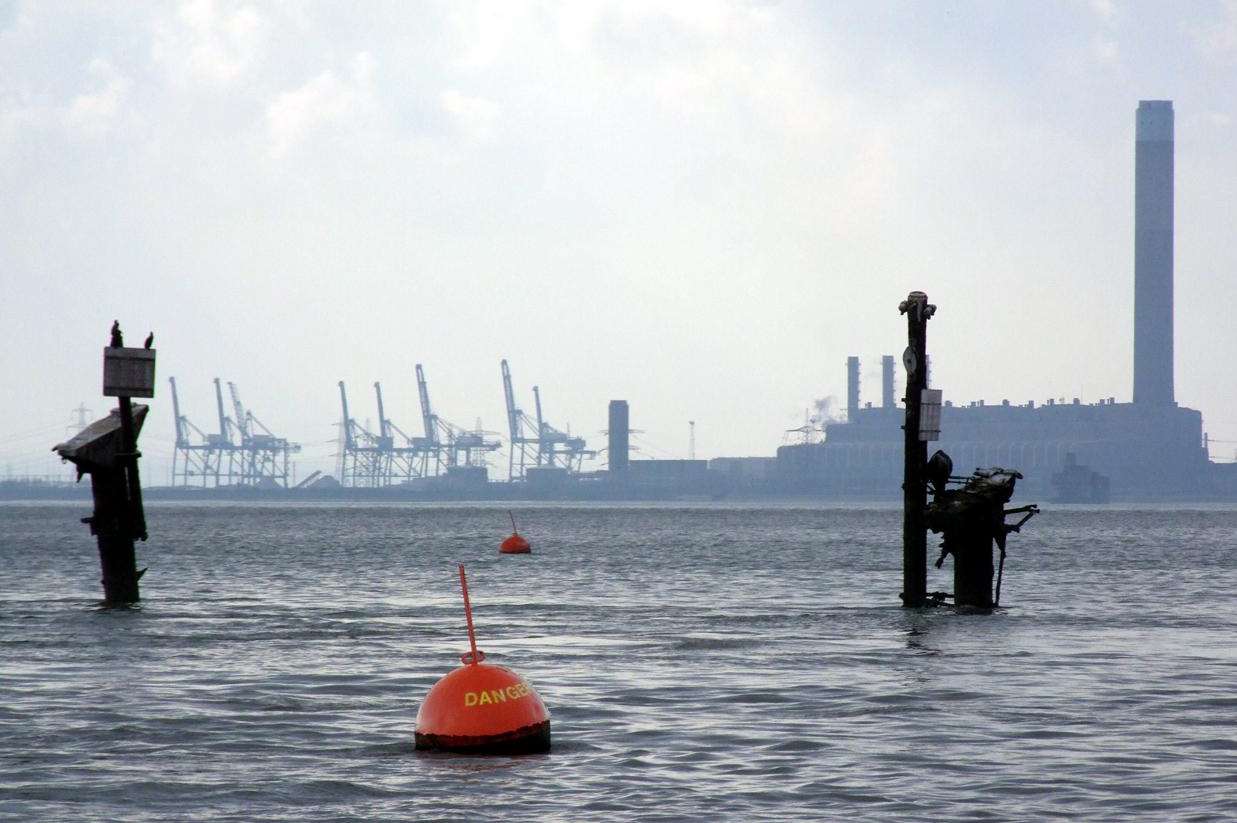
{"x": 914, "y": 488}
{"x": 107, "y": 451}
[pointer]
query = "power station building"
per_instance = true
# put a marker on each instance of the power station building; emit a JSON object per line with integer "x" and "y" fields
{"x": 1150, "y": 447}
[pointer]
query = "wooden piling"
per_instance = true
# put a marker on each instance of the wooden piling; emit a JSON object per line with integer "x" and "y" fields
{"x": 110, "y": 524}
{"x": 107, "y": 451}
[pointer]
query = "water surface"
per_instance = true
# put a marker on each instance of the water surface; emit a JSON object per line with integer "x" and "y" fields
{"x": 709, "y": 662}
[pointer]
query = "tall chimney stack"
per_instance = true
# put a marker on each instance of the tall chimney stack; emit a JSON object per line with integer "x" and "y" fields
{"x": 852, "y": 389}
{"x": 619, "y": 446}
{"x": 1153, "y": 252}
{"x": 887, "y": 399}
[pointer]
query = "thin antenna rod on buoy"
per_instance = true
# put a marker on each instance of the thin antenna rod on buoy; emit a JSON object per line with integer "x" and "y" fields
{"x": 514, "y": 530}
{"x": 472, "y": 635}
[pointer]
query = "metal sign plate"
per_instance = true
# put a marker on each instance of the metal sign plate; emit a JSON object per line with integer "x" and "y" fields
{"x": 930, "y": 415}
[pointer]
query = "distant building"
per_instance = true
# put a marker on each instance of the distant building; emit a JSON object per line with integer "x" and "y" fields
{"x": 619, "y": 433}
{"x": 1148, "y": 448}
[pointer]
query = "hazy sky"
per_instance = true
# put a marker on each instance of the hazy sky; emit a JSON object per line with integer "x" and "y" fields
{"x": 702, "y": 208}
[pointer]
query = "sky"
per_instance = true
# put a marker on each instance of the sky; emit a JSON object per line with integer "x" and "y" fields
{"x": 700, "y": 207}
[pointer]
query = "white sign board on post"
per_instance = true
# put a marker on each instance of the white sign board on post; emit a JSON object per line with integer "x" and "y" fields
{"x": 930, "y": 415}
{"x": 128, "y": 372}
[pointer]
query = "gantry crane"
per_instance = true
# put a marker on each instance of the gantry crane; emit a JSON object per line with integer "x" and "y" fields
{"x": 193, "y": 463}
{"x": 361, "y": 460}
{"x": 451, "y": 444}
{"x": 370, "y": 460}
{"x": 223, "y": 440}
{"x": 405, "y": 461}
{"x": 536, "y": 441}
{"x": 242, "y": 452}
{"x": 263, "y": 456}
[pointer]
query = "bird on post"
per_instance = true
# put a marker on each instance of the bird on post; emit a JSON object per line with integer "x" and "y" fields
{"x": 118, "y": 342}
{"x": 150, "y": 340}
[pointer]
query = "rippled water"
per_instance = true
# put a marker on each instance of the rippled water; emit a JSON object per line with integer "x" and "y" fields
{"x": 699, "y": 663}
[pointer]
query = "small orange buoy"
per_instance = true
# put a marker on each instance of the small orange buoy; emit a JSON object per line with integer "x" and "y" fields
{"x": 481, "y": 708}
{"x": 515, "y": 544}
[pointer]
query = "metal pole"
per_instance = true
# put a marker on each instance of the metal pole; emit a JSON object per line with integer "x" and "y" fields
{"x": 914, "y": 488}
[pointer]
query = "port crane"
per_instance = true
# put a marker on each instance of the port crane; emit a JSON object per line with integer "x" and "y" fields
{"x": 536, "y": 442}
{"x": 406, "y": 461}
{"x": 243, "y": 451}
{"x": 263, "y": 454}
{"x": 452, "y": 445}
{"x": 373, "y": 460}
{"x": 196, "y": 457}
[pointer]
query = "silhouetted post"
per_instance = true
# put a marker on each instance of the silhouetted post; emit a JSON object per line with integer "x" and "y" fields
{"x": 914, "y": 487}
{"x": 973, "y": 567}
{"x": 107, "y": 451}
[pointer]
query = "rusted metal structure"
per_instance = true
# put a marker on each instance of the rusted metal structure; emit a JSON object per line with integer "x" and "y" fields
{"x": 970, "y": 516}
{"x": 970, "y": 513}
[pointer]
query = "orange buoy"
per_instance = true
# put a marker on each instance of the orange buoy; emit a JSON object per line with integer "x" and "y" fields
{"x": 515, "y": 544}
{"x": 481, "y": 708}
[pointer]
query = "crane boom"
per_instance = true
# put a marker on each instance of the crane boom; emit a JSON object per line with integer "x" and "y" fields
{"x": 540, "y": 428}
{"x": 224, "y": 436}
{"x": 513, "y": 413}
{"x": 242, "y": 422}
{"x": 343, "y": 399}
{"x": 382, "y": 417}
{"x": 427, "y": 413}
{"x": 181, "y": 438}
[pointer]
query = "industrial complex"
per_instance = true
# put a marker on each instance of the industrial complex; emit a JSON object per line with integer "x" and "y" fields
{"x": 1083, "y": 451}
{"x": 1148, "y": 448}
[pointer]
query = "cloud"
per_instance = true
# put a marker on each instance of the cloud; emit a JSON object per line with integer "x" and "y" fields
{"x": 1217, "y": 40}
{"x": 1106, "y": 10}
{"x": 208, "y": 43}
{"x": 1104, "y": 50}
{"x": 474, "y": 115}
{"x": 320, "y": 103}
{"x": 774, "y": 168}
{"x": 95, "y": 111}
{"x": 487, "y": 31}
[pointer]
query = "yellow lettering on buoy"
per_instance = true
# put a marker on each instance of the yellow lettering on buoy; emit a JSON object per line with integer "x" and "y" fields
{"x": 513, "y": 692}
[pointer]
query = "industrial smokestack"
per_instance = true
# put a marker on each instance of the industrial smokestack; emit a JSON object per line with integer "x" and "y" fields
{"x": 1153, "y": 252}
{"x": 887, "y": 381}
{"x": 619, "y": 430}
{"x": 852, "y": 388}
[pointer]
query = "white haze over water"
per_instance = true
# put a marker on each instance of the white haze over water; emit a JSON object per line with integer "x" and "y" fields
{"x": 702, "y": 208}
